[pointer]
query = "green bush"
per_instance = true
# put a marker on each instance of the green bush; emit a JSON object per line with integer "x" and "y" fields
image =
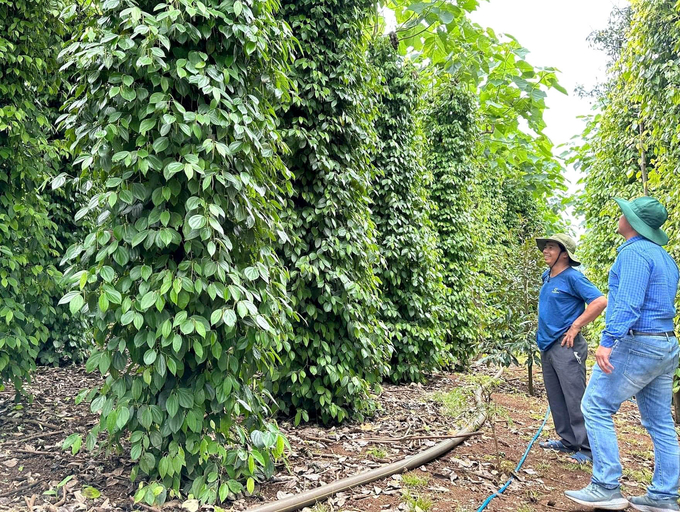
{"x": 30, "y": 38}
{"x": 338, "y": 350}
{"x": 413, "y": 294}
{"x": 172, "y": 117}
{"x": 451, "y": 134}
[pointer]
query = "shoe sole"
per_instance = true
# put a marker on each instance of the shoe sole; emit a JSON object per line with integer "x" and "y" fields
{"x": 650, "y": 508}
{"x": 560, "y": 450}
{"x": 617, "y": 504}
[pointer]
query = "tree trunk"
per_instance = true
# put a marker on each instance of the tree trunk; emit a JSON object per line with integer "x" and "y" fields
{"x": 676, "y": 406}
{"x": 643, "y": 162}
{"x": 530, "y": 368}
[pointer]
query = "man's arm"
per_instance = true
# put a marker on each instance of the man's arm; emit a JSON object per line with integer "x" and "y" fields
{"x": 593, "y": 310}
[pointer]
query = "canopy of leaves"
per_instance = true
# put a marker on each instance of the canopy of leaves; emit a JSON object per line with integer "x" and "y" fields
{"x": 632, "y": 141}
{"x": 510, "y": 91}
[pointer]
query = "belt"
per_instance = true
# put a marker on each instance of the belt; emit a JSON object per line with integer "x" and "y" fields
{"x": 667, "y": 334}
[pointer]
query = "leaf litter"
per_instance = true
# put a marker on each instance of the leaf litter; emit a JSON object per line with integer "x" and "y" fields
{"x": 36, "y": 474}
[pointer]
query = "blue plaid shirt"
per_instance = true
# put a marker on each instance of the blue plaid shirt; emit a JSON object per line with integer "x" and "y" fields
{"x": 642, "y": 285}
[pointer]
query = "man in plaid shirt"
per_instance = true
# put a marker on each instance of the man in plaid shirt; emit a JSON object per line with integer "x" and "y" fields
{"x": 637, "y": 356}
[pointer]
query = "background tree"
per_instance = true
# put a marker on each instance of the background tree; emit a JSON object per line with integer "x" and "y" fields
{"x": 450, "y": 129}
{"x": 338, "y": 351}
{"x": 413, "y": 296}
{"x": 30, "y": 38}
{"x": 630, "y": 145}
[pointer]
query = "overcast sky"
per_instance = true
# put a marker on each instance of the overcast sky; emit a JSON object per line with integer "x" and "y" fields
{"x": 555, "y": 33}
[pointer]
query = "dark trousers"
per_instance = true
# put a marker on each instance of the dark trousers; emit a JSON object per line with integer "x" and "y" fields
{"x": 564, "y": 375}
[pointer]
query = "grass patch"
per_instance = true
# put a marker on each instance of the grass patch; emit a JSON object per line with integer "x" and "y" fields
{"x": 455, "y": 402}
{"x": 643, "y": 454}
{"x": 416, "y": 502}
{"x": 574, "y": 466}
{"x": 414, "y": 481}
{"x": 378, "y": 453}
{"x": 507, "y": 466}
{"x": 482, "y": 380}
{"x": 638, "y": 475}
{"x": 541, "y": 467}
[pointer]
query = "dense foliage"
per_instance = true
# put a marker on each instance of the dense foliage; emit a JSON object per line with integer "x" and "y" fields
{"x": 30, "y": 38}
{"x": 264, "y": 206}
{"x": 172, "y": 113}
{"x": 631, "y": 142}
{"x": 338, "y": 351}
{"x": 412, "y": 288}
{"x": 69, "y": 340}
{"x": 451, "y": 132}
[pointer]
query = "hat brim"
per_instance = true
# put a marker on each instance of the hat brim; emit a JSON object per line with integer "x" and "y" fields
{"x": 541, "y": 242}
{"x": 658, "y": 236}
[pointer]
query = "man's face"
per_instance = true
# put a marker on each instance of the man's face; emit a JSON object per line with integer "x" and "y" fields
{"x": 624, "y": 225}
{"x": 551, "y": 252}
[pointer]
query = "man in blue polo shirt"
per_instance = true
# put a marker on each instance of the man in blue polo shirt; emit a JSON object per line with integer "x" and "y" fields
{"x": 562, "y": 313}
{"x": 637, "y": 356}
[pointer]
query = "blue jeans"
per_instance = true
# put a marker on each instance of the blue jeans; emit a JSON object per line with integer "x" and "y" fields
{"x": 644, "y": 368}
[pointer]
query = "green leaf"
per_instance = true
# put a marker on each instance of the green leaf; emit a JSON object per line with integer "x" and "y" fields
{"x": 172, "y": 404}
{"x": 148, "y": 300}
{"x": 76, "y": 304}
{"x": 147, "y": 125}
{"x": 197, "y": 222}
{"x": 91, "y": 493}
{"x": 229, "y": 317}
{"x": 150, "y": 356}
{"x": 251, "y": 273}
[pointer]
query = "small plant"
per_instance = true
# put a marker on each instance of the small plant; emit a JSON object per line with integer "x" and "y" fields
{"x": 541, "y": 466}
{"x": 377, "y": 453}
{"x": 55, "y": 491}
{"x": 493, "y": 412}
{"x": 411, "y": 480}
{"x": 642, "y": 454}
{"x": 320, "y": 507}
{"x": 416, "y": 502}
{"x": 506, "y": 466}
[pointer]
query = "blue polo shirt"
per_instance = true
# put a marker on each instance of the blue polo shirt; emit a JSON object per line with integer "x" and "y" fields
{"x": 562, "y": 300}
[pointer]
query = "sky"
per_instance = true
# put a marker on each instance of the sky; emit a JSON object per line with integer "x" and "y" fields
{"x": 555, "y": 34}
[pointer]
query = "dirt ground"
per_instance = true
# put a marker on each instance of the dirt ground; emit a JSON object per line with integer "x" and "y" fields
{"x": 412, "y": 418}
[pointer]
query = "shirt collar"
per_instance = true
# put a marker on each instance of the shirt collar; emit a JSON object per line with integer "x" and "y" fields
{"x": 630, "y": 242}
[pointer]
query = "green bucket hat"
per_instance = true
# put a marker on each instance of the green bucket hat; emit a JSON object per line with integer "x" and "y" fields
{"x": 566, "y": 242}
{"x": 645, "y": 215}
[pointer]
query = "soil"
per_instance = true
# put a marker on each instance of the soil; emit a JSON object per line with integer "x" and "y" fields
{"x": 411, "y": 419}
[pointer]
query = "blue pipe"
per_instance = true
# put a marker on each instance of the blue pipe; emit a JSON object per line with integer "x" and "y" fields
{"x": 521, "y": 461}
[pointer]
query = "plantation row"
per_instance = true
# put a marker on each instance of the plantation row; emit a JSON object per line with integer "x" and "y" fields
{"x": 239, "y": 208}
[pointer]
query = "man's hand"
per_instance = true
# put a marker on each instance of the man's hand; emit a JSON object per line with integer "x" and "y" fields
{"x": 602, "y": 358}
{"x": 568, "y": 338}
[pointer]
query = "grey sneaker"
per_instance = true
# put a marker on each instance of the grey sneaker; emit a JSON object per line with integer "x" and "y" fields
{"x": 596, "y": 496}
{"x": 647, "y": 504}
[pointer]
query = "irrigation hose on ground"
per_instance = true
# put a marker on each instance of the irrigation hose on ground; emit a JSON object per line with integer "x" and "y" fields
{"x": 326, "y": 491}
{"x": 519, "y": 465}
